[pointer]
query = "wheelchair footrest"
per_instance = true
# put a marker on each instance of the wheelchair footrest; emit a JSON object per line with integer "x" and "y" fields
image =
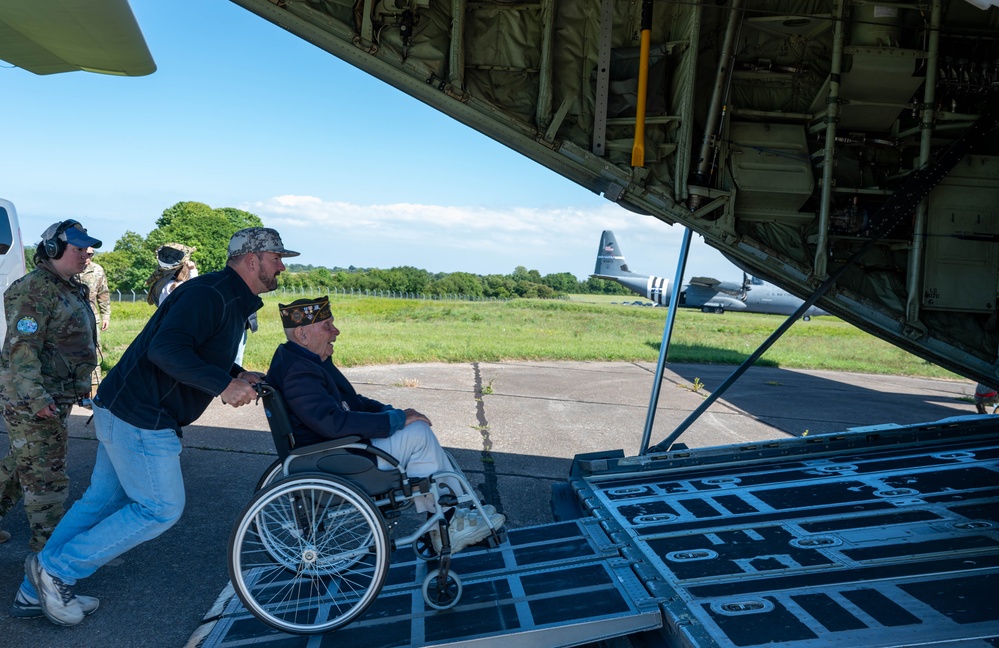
{"x": 496, "y": 539}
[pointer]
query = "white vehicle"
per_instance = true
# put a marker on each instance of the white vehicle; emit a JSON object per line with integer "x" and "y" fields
{"x": 11, "y": 254}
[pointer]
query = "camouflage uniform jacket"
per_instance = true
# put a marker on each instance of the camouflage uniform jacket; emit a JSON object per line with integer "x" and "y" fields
{"x": 100, "y": 297}
{"x": 50, "y": 350}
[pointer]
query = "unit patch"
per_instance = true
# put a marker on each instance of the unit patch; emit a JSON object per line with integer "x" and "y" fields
{"x": 27, "y": 325}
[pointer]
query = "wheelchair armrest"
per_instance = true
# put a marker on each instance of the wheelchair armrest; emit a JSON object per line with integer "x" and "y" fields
{"x": 325, "y": 446}
{"x": 378, "y": 452}
{"x": 353, "y": 442}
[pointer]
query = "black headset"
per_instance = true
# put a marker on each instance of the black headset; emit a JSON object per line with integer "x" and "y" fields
{"x": 56, "y": 245}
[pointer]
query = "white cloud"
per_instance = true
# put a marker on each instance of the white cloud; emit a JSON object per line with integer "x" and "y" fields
{"x": 480, "y": 240}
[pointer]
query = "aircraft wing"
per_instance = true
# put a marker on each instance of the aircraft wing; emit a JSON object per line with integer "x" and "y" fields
{"x": 729, "y": 287}
{"x": 51, "y": 36}
{"x": 807, "y": 140}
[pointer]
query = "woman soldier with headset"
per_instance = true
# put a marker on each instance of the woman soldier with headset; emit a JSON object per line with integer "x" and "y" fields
{"x": 45, "y": 366}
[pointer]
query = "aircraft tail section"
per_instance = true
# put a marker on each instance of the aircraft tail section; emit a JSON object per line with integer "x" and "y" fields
{"x": 612, "y": 266}
{"x": 610, "y": 261}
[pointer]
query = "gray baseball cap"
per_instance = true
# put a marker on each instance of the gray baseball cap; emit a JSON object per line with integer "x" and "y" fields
{"x": 258, "y": 239}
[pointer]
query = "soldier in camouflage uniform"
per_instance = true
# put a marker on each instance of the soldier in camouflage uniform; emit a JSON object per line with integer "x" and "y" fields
{"x": 96, "y": 280}
{"x": 45, "y": 366}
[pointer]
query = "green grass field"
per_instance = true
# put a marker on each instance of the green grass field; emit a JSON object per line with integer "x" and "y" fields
{"x": 396, "y": 331}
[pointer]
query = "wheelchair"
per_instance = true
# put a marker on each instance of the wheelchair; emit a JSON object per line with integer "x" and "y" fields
{"x": 311, "y": 549}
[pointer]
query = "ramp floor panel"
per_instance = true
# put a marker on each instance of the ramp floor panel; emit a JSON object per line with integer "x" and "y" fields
{"x": 555, "y": 585}
{"x": 895, "y": 546}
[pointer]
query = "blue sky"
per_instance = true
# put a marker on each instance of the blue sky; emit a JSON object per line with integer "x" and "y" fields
{"x": 351, "y": 171}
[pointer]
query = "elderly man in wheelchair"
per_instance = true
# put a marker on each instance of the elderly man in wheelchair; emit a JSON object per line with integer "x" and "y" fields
{"x": 315, "y": 531}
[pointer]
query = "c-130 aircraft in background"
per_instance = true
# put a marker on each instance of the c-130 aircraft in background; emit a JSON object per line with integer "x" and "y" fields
{"x": 751, "y": 295}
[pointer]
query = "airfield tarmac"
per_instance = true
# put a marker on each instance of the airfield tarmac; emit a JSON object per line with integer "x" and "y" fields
{"x": 514, "y": 428}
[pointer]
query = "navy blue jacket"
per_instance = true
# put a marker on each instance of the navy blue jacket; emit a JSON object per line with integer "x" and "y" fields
{"x": 184, "y": 355}
{"x": 322, "y": 404}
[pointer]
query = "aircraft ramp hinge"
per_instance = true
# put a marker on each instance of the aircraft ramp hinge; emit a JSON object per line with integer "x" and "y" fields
{"x": 361, "y": 44}
{"x": 445, "y": 87}
{"x": 914, "y": 332}
{"x": 549, "y": 144}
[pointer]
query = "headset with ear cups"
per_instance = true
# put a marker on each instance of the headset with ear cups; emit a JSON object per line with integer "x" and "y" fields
{"x": 55, "y": 245}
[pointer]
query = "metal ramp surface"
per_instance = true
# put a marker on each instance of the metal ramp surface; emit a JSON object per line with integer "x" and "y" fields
{"x": 893, "y": 541}
{"x": 561, "y": 584}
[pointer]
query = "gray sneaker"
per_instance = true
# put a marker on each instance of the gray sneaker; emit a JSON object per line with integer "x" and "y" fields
{"x": 26, "y": 607}
{"x": 55, "y": 598}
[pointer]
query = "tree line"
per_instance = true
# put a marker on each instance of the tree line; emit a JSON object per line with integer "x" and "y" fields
{"x": 406, "y": 279}
{"x": 133, "y": 260}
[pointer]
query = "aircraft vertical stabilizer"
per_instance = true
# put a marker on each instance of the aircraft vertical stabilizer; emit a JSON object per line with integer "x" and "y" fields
{"x": 610, "y": 261}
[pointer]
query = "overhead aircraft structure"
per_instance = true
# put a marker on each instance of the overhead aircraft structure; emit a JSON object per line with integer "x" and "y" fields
{"x": 72, "y": 35}
{"x": 751, "y": 295}
{"x": 845, "y": 141}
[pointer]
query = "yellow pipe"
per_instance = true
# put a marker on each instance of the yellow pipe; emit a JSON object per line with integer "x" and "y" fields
{"x": 638, "y": 149}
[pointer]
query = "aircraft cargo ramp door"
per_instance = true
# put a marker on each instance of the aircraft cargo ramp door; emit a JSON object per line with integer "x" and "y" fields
{"x": 885, "y": 536}
{"x": 877, "y": 537}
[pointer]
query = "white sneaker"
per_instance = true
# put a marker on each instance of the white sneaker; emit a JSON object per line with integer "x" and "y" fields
{"x": 57, "y": 600}
{"x": 27, "y": 607}
{"x": 467, "y": 527}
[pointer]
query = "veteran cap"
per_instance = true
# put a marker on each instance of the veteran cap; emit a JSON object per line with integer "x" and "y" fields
{"x": 258, "y": 239}
{"x": 303, "y": 312}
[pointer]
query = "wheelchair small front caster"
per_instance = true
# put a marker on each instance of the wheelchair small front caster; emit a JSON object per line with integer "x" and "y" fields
{"x": 441, "y": 595}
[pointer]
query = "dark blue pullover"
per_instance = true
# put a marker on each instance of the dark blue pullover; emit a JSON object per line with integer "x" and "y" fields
{"x": 184, "y": 355}
{"x": 322, "y": 404}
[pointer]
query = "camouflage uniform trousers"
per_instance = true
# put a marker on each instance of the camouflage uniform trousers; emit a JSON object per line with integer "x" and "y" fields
{"x": 35, "y": 467}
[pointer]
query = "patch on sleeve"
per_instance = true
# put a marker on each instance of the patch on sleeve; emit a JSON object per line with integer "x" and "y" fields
{"x": 27, "y": 325}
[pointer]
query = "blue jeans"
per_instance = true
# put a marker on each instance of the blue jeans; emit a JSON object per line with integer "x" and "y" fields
{"x": 136, "y": 493}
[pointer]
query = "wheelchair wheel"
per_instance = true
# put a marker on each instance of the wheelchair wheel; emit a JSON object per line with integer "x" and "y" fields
{"x": 273, "y": 473}
{"x": 308, "y": 554}
{"x": 441, "y": 593}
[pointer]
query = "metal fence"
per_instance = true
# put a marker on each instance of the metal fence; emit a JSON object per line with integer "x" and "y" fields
{"x": 310, "y": 291}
